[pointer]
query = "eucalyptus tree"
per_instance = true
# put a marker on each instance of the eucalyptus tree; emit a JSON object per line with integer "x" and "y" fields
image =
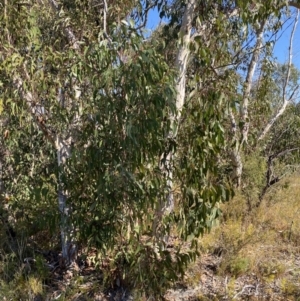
{"x": 207, "y": 49}
{"x": 278, "y": 131}
{"x": 72, "y": 78}
{"x": 137, "y": 126}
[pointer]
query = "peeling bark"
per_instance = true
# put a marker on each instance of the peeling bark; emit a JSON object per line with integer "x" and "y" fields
{"x": 249, "y": 82}
{"x": 235, "y": 154}
{"x": 185, "y": 37}
{"x": 166, "y": 206}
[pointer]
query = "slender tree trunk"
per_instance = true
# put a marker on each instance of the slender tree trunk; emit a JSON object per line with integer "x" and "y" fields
{"x": 236, "y": 152}
{"x": 167, "y": 205}
{"x": 249, "y": 81}
{"x": 286, "y": 100}
{"x": 63, "y": 148}
{"x": 273, "y": 120}
{"x": 181, "y": 65}
{"x": 272, "y": 179}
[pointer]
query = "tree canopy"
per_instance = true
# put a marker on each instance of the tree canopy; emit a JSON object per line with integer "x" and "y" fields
{"x": 121, "y": 140}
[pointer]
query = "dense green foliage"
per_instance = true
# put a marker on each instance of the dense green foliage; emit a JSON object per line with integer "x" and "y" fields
{"x": 87, "y": 108}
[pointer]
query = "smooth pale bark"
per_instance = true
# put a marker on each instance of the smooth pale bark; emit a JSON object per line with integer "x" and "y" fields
{"x": 249, "y": 81}
{"x": 63, "y": 147}
{"x": 181, "y": 65}
{"x": 166, "y": 205}
{"x": 185, "y": 37}
{"x": 63, "y": 142}
{"x": 286, "y": 100}
{"x": 235, "y": 154}
{"x": 273, "y": 120}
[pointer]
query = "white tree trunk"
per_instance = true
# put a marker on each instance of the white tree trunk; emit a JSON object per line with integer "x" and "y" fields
{"x": 249, "y": 81}
{"x": 181, "y": 64}
{"x": 166, "y": 206}
{"x": 286, "y": 100}
{"x": 63, "y": 147}
{"x": 235, "y": 154}
{"x": 273, "y": 120}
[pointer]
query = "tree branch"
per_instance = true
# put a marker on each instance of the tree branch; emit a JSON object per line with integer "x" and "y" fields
{"x": 269, "y": 175}
{"x": 249, "y": 80}
{"x": 181, "y": 63}
{"x": 294, "y": 4}
{"x": 286, "y": 100}
{"x": 282, "y": 153}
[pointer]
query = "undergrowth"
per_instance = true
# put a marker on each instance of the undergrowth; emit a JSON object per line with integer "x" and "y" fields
{"x": 264, "y": 242}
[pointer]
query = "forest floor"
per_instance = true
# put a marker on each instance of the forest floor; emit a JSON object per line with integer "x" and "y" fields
{"x": 253, "y": 254}
{"x": 248, "y": 286}
{"x": 208, "y": 286}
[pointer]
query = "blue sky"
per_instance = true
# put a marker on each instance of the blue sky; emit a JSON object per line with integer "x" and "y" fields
{"x": 282, "y": 45}
{"x": 280, "y": 49}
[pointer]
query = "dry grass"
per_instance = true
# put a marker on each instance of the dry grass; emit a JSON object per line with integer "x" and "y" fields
{"x": 262, "y": 245}
{"x": 264, "y": 242}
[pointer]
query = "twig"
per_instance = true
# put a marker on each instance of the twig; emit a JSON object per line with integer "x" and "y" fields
{"x": 242, "y": 292}
{"x": 145, "y": 17}
{"x": 290, "y": 233}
